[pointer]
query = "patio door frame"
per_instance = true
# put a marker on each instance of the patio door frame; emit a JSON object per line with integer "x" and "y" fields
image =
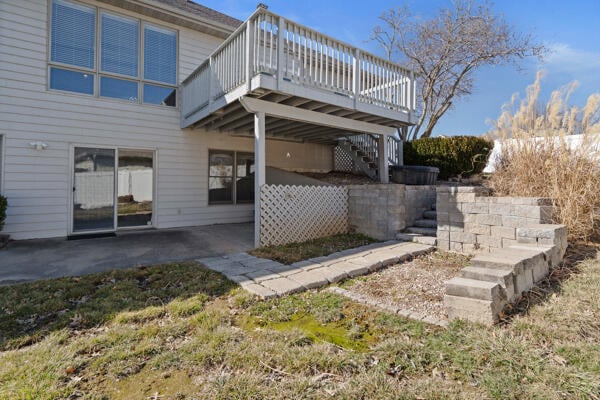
{"x": 71, "y": 191}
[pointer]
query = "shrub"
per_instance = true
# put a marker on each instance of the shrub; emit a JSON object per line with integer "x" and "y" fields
{"x": 537, "y": 157}
{"x": 3, "y": 205}
{"x": 454, "y": 156}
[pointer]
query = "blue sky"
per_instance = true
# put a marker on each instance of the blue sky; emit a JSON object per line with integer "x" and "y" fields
{"x": 568, "y": 28}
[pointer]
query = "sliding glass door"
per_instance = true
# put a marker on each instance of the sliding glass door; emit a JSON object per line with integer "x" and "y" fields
{"x": 112, "y": 188}
{"x": 135, "y": 188}
{"x": 93, "y": 189}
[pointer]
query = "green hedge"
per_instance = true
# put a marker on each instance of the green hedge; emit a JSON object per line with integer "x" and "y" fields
{"x": 452, "y": 155}
{"x": 3, "y": 205}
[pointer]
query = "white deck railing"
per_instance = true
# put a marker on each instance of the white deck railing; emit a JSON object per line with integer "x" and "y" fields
{"x": 268, "y": 44}
{"x": 369, "y": 145}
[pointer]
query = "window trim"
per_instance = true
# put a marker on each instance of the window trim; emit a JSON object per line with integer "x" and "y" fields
{"x": 234, "y": 200}
{"x": 96, "y": 71}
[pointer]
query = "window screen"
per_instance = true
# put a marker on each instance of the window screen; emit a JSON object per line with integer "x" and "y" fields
{"x": 73, "y": 34}
{"x": 160, "y": 55}
{"x": 119, "y": 45}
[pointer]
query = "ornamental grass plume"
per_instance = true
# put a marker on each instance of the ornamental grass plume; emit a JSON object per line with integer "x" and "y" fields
{"x": 552, "y": 150}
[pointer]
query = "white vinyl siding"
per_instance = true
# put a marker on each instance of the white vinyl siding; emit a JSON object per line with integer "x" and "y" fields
{"x": 37, "y": 183}
{"x": 1, "y": 161}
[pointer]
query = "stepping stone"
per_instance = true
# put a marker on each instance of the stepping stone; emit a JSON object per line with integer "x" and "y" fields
{"x": 283, "y": 286}
{"x": 259, "y": 290}
{"x": 331, "y": 273}
{"x": 310, "y": 279}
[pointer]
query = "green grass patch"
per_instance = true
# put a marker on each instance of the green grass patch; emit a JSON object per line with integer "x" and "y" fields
{"x": 29, "y": 311}
{"x": 293, "y": 252}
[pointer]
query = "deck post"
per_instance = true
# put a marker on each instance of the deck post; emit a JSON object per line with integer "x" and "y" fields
{"x": 356, "y": 76}
{"x": 249, "y": 54}
{"x": 260, "y": 173}
{"x": 382, "y": 155}
{"x": 280, "y": 56}
{"x": 211, "y": 79}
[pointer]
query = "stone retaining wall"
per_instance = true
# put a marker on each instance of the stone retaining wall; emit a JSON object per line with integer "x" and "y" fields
{"x": 495, "y": 279}
{"x": 376, "y": 210}
{"x": 470, "y": 221}
{"x": 381, "y": 211}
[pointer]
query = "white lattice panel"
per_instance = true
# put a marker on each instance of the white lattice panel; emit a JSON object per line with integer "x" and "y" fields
{"x": 299, "y": 213}
{"x": 342, "y": 160}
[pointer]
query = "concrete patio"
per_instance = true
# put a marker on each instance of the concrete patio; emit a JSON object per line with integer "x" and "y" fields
{"x": 52, "y": 258}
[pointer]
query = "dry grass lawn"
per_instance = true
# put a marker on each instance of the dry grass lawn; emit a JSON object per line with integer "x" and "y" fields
{"x": 179, "y": 331}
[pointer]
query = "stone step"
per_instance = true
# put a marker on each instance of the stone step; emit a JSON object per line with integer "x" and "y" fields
{"x": 505, "y": 278}
{"x": 474, "y": 289}
{"x": 416, "y": 238}
{"x": 483, "y": 311}
{"x": 527, "y": 265}
{"x": 509, "y": 258}
{"x": 421, "y": 231}
{"x": 430, "y": 214}
{"x": 426, "y": 223}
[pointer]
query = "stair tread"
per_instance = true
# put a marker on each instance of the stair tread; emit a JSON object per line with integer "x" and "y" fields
{"x": 425, "y": 223}
{"x": 430, "y": 214}
{"x": 416, "y": 238}
{"x": 421, "y": 231}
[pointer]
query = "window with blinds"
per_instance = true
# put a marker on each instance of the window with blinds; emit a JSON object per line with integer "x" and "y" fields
{"x": 134, "y": 61}
{"x": 73, "y": 34}
{"x": 160, "y": 46}
{"x": 119, "y": 45}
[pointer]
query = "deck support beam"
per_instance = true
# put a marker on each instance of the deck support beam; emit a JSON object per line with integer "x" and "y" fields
{"x": 260, "y": 169}
{"x": 383, "y": 167}
{"x": 313, "y": 117}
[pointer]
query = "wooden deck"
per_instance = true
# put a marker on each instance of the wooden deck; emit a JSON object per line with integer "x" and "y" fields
{"x": 294, "y": 68}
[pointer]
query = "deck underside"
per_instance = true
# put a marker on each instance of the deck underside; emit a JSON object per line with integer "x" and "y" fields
{"x": 233, "y": 118}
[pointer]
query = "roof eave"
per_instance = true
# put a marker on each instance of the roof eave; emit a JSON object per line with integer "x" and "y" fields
{"x": 164, "y": 12}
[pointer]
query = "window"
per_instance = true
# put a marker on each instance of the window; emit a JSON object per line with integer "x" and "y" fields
{"x": 222, "y": 175}
{"x": 134, "y": 61}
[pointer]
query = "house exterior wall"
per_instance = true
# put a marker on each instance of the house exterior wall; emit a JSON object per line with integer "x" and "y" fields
{"x": 37, "y": 183}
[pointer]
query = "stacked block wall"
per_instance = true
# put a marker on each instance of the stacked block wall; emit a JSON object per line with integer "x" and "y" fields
{"x": 470, "y": 221}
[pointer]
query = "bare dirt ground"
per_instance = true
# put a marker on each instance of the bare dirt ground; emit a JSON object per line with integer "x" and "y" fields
{"x": 417, "y": 285}
{"x": 341, "y": 178}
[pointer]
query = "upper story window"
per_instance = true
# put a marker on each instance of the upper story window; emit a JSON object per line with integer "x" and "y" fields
{"x": 104, "y": 54}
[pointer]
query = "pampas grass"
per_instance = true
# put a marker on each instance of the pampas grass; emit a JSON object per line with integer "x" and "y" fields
{"x": 539, "y": 156}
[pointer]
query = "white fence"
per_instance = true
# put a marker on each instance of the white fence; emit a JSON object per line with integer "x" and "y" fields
{"x": 298, "y": 213}
{"x": 95, "y": 189}
{"x": 573, "y": 142}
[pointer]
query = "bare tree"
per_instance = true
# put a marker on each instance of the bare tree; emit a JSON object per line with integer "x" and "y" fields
{"x": 446, "y": 50}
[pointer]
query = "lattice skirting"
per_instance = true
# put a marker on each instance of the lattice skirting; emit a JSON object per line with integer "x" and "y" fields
{"x": 298, "y": 213}
{"x": 342, "y": 161}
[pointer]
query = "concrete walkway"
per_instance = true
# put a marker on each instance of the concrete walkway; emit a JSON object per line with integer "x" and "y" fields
{"x": 267, "y": 278}
{"x": 51, "y": 258}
